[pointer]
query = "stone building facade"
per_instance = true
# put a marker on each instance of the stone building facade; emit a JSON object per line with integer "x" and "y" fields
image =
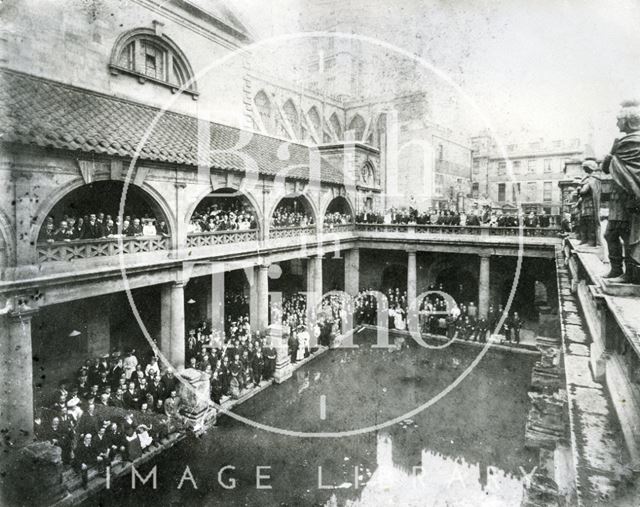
{"x": 532, "y": 170}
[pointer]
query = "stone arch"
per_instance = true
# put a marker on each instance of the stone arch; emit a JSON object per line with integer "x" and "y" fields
{"x": 393, "y": 276}
{"x": 220, "y": 190}
{"x": 369, "y": 173}
{"x": 291, "y": 114}
{"x": 332, "y": 198}
{"x": 7, "y": 243}
{"x": 452, "y": 273}
{"x": 314, "y": 119}
{"x": 357, "y": 125}
{"x": 181, "y": 72}
{"x": 336, "y": 125}
{"x": 307, "y": 199}
{"x": 265, "y": 109}
{"x": 155, "y": 199}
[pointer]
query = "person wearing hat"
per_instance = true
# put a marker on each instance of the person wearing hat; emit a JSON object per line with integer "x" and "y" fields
{"x": 73, "y": 409}
{"x": 590, "y": 191}
{"x": 623, "y": 227}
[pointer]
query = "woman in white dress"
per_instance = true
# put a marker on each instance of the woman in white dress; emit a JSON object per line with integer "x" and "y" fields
{"x": 398, "y": 320}
{"x": 303, "y": 343}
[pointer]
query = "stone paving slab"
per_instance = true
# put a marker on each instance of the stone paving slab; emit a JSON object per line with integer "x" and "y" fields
{"x": 573, "y": 318}
{"x": 600, "y": 450}
{"x": 575, "y": 334}
{"x": 590, "y": 400}
{"x": 577, "y": 349}
{"x": 578, "y": 372}
{"x": 598, "y": 454}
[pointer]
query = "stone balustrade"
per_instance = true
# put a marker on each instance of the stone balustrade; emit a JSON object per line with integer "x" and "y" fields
{"x": 292, "y": 232}
{"x": 198, "y": 239}
{"x": 85, "y": 249}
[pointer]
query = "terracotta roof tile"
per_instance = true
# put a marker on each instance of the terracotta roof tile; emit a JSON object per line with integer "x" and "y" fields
{"x": 50, "y": 114}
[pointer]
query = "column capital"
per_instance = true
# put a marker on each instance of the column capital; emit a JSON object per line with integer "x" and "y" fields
{"x": 21, "y": 314}
{"x": 411, "y": 249}
{"x": 484, "y": 255}
{"x": 178, "y": 284}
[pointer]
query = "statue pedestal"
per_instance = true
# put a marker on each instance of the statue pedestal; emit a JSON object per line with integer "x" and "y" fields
{"x": 194, "y": 393}
{"x": 38, "y": 473}
{"x": 613, "y": 288}
{"x": 280, "y": 343}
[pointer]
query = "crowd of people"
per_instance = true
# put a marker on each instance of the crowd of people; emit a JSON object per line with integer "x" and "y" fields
{"x": 437, "y": 316}
{"x": 336, "y": 218}
{"x": 235, "y": 360}
{"x": 106, "y": 412}
{"x": 99, "y": 225}
{"x": 291, "y": 215}
{"x": 78, "y": 418}
{"x": 474, "y": 218}
{"x": 229, "y": 214}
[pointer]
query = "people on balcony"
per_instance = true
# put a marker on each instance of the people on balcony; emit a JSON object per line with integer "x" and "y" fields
{"x": 473, "y": 218}
{"x": 230, "y": 214}
{"x": 291, "y": 215}
{"x": 100, "y": 226}
{"x": 337, "y": 218}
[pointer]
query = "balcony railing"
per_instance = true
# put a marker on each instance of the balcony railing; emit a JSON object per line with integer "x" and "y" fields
{"x": 90, "y": 248}
{"x": 291, "y": 232}
{"x": 87, "y": 249}
{"x": 449, "y": 229}
{"x": 339, "y": 227}
{"x": 474, "y": 230}
{"x": 198, "y": 239}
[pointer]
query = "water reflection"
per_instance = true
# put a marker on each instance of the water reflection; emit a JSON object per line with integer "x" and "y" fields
{"x": 437, "y": 480}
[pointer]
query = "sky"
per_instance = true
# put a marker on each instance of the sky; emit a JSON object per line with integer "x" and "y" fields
{"x": 550, "y": 68}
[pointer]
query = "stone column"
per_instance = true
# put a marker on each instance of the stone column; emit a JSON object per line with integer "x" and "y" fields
{"x": 484, "y": 283}
{"x": 177, "y": 348}
{"x": 217, "y": 301}
{"x": 262, "y": 296}
{"x": 98, "y": 326}
{"x": 16, "y": 377}
{"x": 253, "y": 298}
{"x": 24, "y": 199}
{"x": 314, "y": 285}
{"x": 412, "y": 282}
{"x": 283, "y": 364}
{"x": 352, "y": 271}
{"x": 164, "y": 342}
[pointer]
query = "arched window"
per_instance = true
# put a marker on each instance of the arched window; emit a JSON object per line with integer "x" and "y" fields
{"x": 153, "y": 57}
{"x": 291, "y": 114}
{"x": 263, "y": 104}
{"x": 314, "y": 118}
{"x": 357, "y": 126}
{"x": 335, "y": 125}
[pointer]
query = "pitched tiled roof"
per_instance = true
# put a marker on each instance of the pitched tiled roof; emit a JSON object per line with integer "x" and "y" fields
{"x": 50, "y": 114}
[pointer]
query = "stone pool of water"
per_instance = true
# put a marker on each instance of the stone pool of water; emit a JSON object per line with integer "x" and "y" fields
{"x": 466, "y": 449}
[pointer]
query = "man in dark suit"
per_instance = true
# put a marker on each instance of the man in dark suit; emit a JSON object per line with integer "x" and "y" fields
{"x": 91, "y": 229}
{"x": 516, "y": 325}
{"x": 131, "y": 397}
{"x": 135, "y": 229}
{"x": 85, "y": 457}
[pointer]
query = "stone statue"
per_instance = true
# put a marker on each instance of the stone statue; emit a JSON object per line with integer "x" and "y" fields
{"x": 590, "y": 190}
{"x": 623, "y": 164}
